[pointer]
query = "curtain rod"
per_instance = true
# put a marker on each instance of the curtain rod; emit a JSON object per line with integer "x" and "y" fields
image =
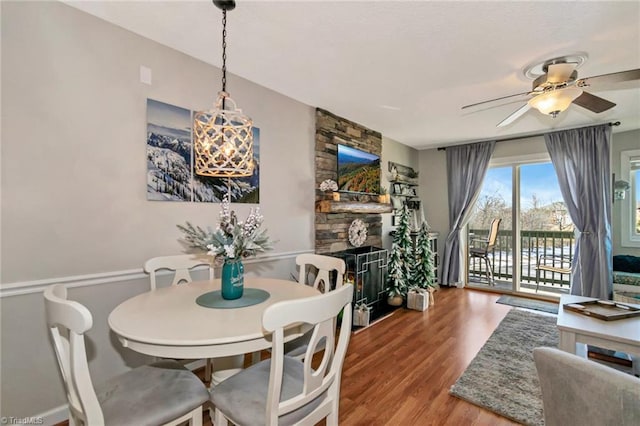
{"x": 444, "y": 148}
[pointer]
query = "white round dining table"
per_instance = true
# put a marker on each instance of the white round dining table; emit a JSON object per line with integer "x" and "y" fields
{"x": 168, "y": 322}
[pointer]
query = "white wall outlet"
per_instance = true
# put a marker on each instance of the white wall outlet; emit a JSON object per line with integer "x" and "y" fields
{"x": 145, "y": 75}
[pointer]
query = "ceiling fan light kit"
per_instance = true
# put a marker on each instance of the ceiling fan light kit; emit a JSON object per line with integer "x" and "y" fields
{"x": 555, "y": 101}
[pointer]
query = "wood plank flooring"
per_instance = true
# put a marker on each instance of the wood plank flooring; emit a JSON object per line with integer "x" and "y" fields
{"x": 399, "y": 371}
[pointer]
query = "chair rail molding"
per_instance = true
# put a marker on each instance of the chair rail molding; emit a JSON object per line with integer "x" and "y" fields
{"x": 29, "y": 287}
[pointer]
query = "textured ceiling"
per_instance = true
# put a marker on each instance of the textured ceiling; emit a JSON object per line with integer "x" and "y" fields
{"x": 405, "y": 68}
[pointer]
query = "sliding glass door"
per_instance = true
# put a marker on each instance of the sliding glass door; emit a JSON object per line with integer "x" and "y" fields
{"x": 535, "y": 230}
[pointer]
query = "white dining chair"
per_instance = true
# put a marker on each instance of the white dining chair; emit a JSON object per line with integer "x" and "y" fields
{"x": 284, "y": 390}
{"x": 182, "y": 266}
{"x": 161, "y": 393}
{"x": 309, "y": 263}
{"x": 315, "y": 270}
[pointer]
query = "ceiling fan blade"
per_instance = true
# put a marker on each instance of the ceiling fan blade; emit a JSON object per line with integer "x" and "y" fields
{"x": 515, "y": 115}
{"x": 496, "y": 99}
{"x": 560, "y": 73}
{"x": 593, "y": 103}
{"x": 614, "y": 77}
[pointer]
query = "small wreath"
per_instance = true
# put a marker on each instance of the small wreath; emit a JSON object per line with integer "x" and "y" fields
{"x": 357, "y": 233}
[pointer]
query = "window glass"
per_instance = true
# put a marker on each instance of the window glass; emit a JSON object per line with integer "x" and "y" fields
{"x": 630, "y": 202}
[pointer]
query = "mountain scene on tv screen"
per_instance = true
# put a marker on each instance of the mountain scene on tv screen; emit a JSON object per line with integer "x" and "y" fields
{"x": 358, "y": 171}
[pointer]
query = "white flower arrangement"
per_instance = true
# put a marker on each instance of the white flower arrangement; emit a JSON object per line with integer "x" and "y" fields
{"x": 357, "y": 233}
{"x": 231, "y": 239}
{"x": 328, "y": 185}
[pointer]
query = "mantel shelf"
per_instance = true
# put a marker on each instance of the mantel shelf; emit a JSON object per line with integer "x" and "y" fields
{"x": 329, "y": 206}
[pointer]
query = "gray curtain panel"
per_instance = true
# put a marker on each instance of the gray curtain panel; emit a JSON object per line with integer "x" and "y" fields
{"x": 581, "y": 160}
{"x": 466, "y": 168}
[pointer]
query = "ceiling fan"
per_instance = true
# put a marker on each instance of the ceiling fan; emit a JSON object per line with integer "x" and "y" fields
{"x": 559, "y": 86}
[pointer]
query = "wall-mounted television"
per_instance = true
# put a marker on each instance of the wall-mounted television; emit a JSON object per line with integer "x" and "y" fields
{"x": 358, "y": 171}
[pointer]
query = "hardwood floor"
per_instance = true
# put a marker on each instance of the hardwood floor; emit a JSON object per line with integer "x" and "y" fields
{"x": 399, "y": 371}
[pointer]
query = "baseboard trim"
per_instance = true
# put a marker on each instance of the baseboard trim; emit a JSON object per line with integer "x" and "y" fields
{"x": 29, "y": 287}
{"x": 54, "y": 416}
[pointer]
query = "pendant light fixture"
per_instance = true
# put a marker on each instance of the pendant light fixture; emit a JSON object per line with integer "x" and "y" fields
{"x": 223, "y": 136}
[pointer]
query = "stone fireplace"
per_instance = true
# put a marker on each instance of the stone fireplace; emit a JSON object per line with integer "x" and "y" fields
{"x": 366, "y": 266}
{"x": 332, "y": 228}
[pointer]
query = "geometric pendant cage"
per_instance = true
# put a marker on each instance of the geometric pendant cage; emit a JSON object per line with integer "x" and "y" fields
{"x": 223, "y": 136}
{"x": 223, "y": 140}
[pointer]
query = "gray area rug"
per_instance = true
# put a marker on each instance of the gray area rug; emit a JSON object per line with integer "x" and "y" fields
{"x": 502, "y": 377}
{"x": 523, "y": 302}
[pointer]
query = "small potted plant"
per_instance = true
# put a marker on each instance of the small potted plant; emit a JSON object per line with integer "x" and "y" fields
{"x": 330, "y": 185}
{"x": 384, "y": 195}
{"x": 412, "y": 176}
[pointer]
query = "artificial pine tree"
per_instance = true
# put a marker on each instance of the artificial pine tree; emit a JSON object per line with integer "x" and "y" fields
{"x": 396, "y": 278}
{"x": 400, "y": 269}
{"x": 423, "y": 271}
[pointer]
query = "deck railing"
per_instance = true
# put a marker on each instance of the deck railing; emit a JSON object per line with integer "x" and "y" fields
{"x": 532, "y": 245}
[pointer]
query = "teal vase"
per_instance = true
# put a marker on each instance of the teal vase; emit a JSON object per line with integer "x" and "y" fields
{"x": 232, "y": 279}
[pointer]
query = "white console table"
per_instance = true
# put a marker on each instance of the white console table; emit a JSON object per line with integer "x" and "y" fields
{"x": 620, "y": 335}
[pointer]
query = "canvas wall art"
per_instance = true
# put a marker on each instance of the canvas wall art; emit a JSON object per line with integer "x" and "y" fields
{"x": 169, "y": 151}
{"x": 170, "y": 171}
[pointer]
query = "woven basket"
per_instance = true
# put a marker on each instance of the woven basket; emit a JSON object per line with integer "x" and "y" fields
{"x": 626, "y": 297}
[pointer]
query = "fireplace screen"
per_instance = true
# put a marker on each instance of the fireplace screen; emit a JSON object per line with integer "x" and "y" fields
{"x": 366, "y": 269}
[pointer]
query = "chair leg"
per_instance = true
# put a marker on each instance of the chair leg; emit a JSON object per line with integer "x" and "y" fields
{"x": 537, "y": 279}
{"x": 196, "y": 419}
{"x": 489, "y": 271}
{"x": 220, "y": 419}
{"x": 208, "y": 370}
{"x": 332, "y": 418}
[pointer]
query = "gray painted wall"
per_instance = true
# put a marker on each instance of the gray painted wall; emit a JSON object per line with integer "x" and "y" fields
{"x": 434, "y": 195}
{"x": 74, "y": 181}
{"x": 401, "y": 154}
{"x": 74, "y": 146}
{"x": 621, "y": 142}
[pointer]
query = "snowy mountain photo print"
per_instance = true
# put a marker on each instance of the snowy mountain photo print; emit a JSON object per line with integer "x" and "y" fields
{"x": 169, "y": 151}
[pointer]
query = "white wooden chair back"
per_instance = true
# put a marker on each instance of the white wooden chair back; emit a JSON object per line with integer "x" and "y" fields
{"x": 68, "y": 321}
{"x": 321, "y": 311}
{"x": 324, "y": 265}
{"x": 180, "y": 264}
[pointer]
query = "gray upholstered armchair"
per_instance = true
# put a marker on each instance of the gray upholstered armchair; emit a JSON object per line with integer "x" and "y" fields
{"x": 577, "y": 391}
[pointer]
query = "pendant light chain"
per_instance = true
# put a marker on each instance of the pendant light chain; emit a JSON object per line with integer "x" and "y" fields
{"x": 224, "y": 50}
{"x": 223, "y": 136}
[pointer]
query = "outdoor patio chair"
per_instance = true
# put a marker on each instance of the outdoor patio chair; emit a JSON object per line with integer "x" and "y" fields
{"x": 480, "y": 248}
{"x": 556, "y": 264}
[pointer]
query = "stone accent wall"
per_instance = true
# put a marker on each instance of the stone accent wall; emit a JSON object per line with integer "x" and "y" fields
{"x": 332, "y": 229}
